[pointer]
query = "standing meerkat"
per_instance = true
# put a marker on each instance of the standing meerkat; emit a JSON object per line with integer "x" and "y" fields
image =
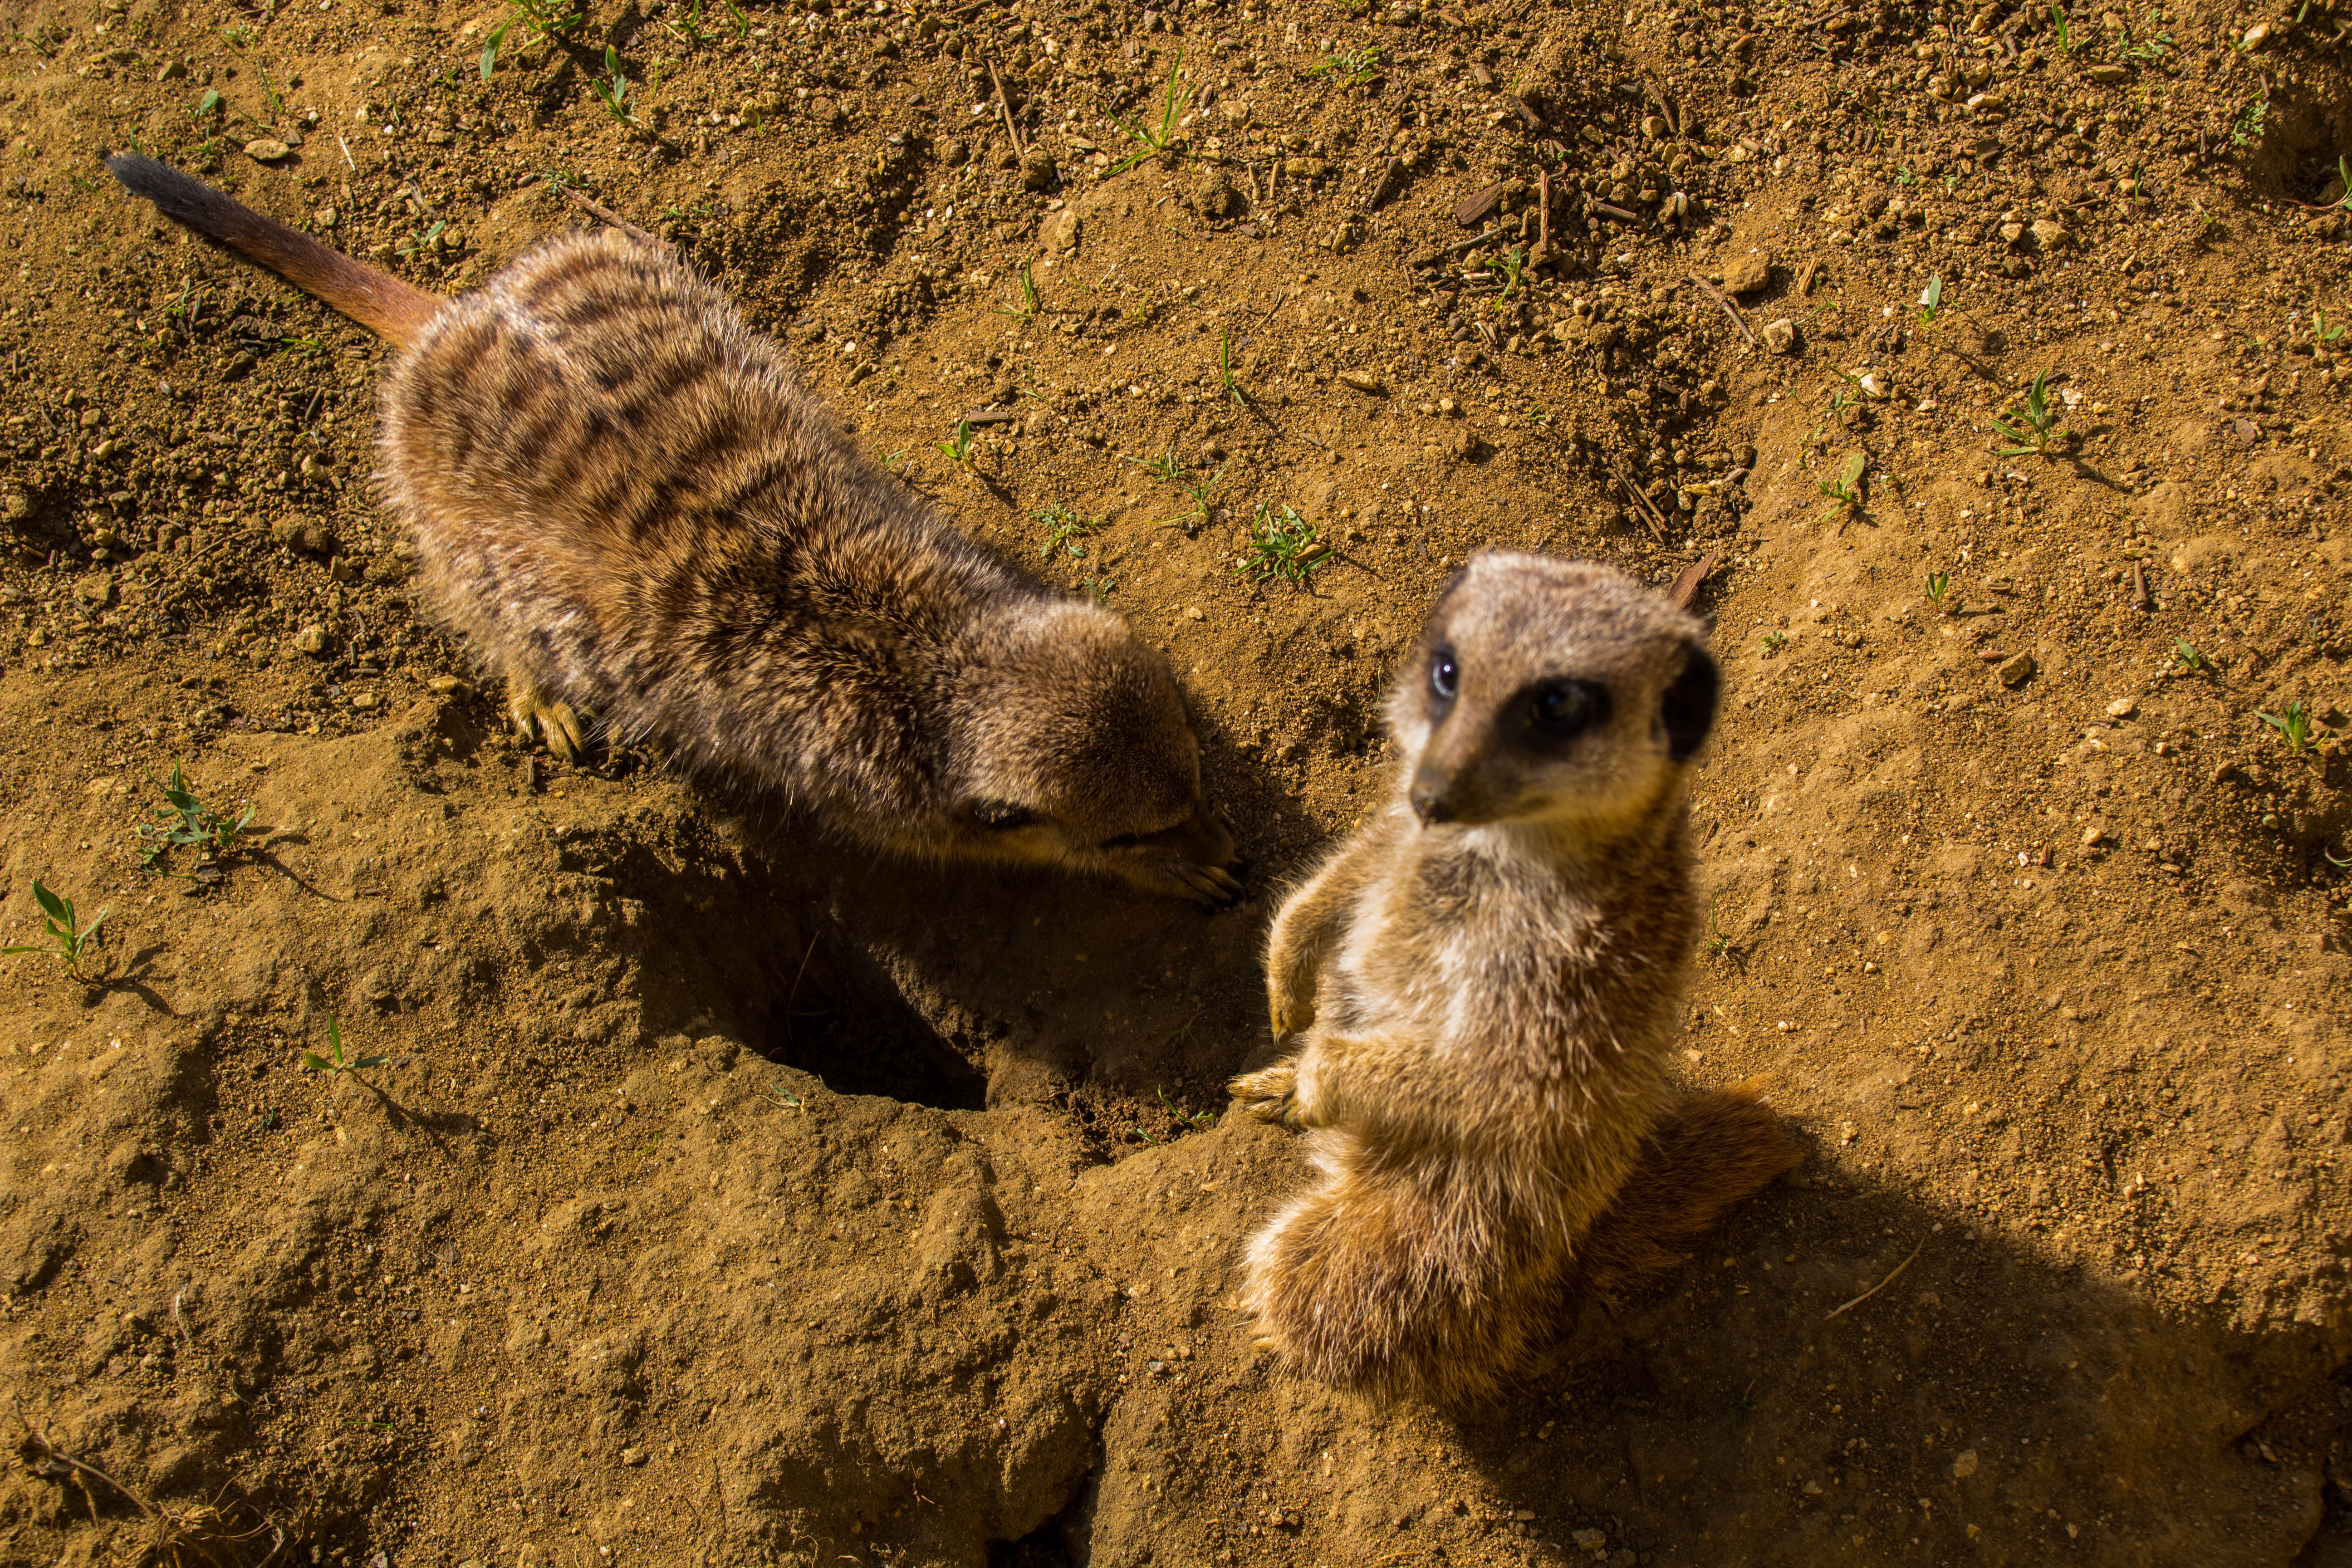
{"x": 1480, "y": 988}
{"x": 625, "y": 503}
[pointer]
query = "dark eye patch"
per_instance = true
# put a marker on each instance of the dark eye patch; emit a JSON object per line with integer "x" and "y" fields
{"x": 1563, "y": 709}
{"x": 1000, "y": 815}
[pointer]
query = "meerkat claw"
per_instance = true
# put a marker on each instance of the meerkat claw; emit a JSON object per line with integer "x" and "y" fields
{"x": 540, "y": 717}
{"x": 1209, "y": 885}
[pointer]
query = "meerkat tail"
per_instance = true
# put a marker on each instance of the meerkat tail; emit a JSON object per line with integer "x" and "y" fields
{"x": 376, "y": 301}
{"x": 1706, "y": 1153}
{"x": 1394, "y": 1288}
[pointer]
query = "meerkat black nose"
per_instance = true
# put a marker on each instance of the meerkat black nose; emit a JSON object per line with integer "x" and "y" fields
{"x": 1429, "y": 805}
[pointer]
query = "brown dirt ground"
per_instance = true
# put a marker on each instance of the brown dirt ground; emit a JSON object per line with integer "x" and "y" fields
{"x": 727, "y": 1199}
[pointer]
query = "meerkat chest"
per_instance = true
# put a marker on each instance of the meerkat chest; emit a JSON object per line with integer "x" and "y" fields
{"x": 1445, "y": 953}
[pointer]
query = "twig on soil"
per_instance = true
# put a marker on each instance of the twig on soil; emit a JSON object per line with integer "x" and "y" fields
{"x": 1649, "y": 509}
{"x": 600, "y": 210}
{"x": 1004, "y": 106}
{"x": 1620, "y": 213}
{"x": 1882, "y": 1285}
{"x": 1657, "y": 97}
{"x": 1729, "y": 309}
{"x": 346, "y": 146}
{"x": 2139, "y": 587}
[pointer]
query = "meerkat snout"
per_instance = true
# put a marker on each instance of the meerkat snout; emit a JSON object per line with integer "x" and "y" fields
{"x": 1594, "y": 723}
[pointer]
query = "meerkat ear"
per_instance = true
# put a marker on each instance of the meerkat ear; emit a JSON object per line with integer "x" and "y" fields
{"x": 1688, "y": 710}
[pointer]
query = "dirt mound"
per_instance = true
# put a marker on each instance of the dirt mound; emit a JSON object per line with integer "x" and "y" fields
{"x": 722, "y": 1196}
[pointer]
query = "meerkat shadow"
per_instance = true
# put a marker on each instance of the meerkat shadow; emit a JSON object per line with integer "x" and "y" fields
{"x": 976, "y": 987}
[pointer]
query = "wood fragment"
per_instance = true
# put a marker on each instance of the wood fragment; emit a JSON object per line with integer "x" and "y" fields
{"x": 600, "y": 210}
{"x": 1882, "y": 1285}
{"x": 1004, "y": 106}
{"x": 1649, "y": 510}
{"x": 1805, "y": 279}
{"x": 1620, "y": 213}
{"x": 2140, "y": 601}
{"x": 991, "y": 417}
{"x": 1390, "y": 181}
{"x": 1527, "y": 113}
{"x": 1658, "y": 97}
{"x": 1543, "y": 214}
{"x": 1473, "y": 209}
{"x": 1458, "y": 247}
{"x": 1686, "y": 586}
{"x": 1729, "y": 309}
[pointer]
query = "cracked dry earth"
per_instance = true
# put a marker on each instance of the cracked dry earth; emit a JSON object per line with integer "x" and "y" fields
{"x": 725, "y": 1198}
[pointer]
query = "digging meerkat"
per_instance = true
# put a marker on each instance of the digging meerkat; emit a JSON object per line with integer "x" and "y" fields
{"x": 626, "y": 504}
{"x": 1479, "y": 989}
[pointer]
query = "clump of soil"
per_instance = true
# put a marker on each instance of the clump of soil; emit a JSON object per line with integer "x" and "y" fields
{"x": 724, "y": 1196}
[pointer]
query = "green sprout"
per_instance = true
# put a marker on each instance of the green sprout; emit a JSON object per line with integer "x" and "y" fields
{"x": 957, "y": 446}
{"x": 209, "y": 104}
{"x": 73, "y": 939}
{"x": 1774, "y": 642}
{"x": 2344, "y": 178}
{"x": 1718, "y": 944}
{"x": 1190, "y": 1118}
{"x": 1351, "y": 67}
{"x": 2156, "y": 45}
{"x": 1028, "y": 311}
{"x": 2190, "y": 660}
{"x": 188, "y": 821}
{"x": 1931, "y": 300}
{"x": 2293, "y": 724}
{"x": 612, "y": 89}
{"x": 2321, "y": 332}
{"x": 2034, "y": 429}
{"x": 1515, "y": 261}
{"x": 737, "y": 21}
{"x": 1197, "y": 493}
{"x": 335, "y": 1062}
{"x": 1156, "y": 141}
{"x": 541, "y": 18}
{"x": 1843, "y": 491}
{"x": 2248, "y": 125}
{"x": 1938, "y": 584}
{"x": 1282, "y": 544}
{"x": 1098, "y": 589}
{"x": 1064, "y": 528}
{"x": 2065, "y": 35}
{"x": 1163, "y": 468}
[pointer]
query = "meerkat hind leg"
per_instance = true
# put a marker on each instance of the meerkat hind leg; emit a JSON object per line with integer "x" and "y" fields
{"x": 539, "y": 714}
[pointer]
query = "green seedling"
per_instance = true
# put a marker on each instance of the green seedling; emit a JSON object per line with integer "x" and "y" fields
{"x": 957, "y": 446}
{"x": 209, "y": 104}
{"x": 1938, "y": 584}
{"x": 1098, "y": 589}
{"x": 1351, "y": 67}
{"x": 1718, "y": 944}
{"x": 1951, "y": 182}
{"x": 1226, "y": 368}
{"x": 1843, "y": 491}
{"x": 787, "y": 1101}
{"x": 238, "y": 39}
{"x": 335, "y": 1063}
{"x": 737, "y": 22}
{"x": 2190, "y": 660}
{"x": 73, "y": 939}
{"x": 1197, "y": 493}
{"x": 1931, "y": 300}
{"x": 537, "y": 17}
{"x": 2248, "y": 125}
{"x": 2321, "y": 332}
{"x": 1774, "y": 642}
{"x": 2344, "y": 179}
{"x": 188, "y": 821}
{"x": 1282, "y": 544}
{"x": 692, "y": 30}
{"x": 2065, "y": 34}
{"x": 1904, "y": 177}
{"x": 1190, "y": 1118}
{"x": 1158, "y": 140}
{"x": 1163, "y": 468}
{"x": 611, "y": 90}
{"x": 269, "y": 91}
{"x": 2033, "y": 430}
{"x": 2293, "y": 724}
{"x": 1028, "y": 309}
{"x": 1515, "y": 261}
{"x": 1063, "y": 531}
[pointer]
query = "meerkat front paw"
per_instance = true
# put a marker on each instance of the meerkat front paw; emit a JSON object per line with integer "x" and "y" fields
{"x": 1271, "y": 1094}
{"x": 541, "y": 715}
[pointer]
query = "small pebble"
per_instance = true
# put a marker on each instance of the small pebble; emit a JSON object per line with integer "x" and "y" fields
{"x": 267, "y": 150}
{"x": 2122, "y": 708}
{"x": 2016, "y": 669}
{"x": 1778, "y": 337}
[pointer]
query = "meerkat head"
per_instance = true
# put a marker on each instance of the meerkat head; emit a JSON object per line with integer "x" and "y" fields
{"x": 1073, "y": 746}
{"x": 1545, "y": 690}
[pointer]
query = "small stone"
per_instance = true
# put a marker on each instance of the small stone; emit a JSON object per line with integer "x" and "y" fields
{"x": 2049, "y": 234}
{"x": 1361, "y": 383}
{"x": 2012, "y": 232}
{"x": 267, "y": 150}
{"x": 1214, "y": 196}
{"x": 2016, "y": 669}
{"x": 1654, "y": 126}
{"x": 311, "y": 639}
{"x": 1192, "y": 613}
{"x": 2256, "y": 35}
{"x": 445, "y": 685}
{"x": 825, "y": 111}
{"x": 1780, "y": 337}
{"x": 171, "y": 72}
{"x": 1038, "y": 171}
{"x": 96, "y": 590}
{"x": 1813, "y": 1489}
{"x": 1588, "y": 1539}
{"x": 1745, "y": 274}
{"x": 1964, "y": 1465}
{"x": 2094, "y": 835}
{"x": 2108, "y": 76}
{"x": 2122, "y": 708}
{"x": 1060, "y": 233}
{"x": 633, "y": 1458}
{"x": 1306, "y": 168}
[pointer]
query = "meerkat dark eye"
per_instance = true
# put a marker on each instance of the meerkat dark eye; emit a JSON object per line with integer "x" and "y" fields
{"x": 1444, "y": 674}
{"x": 1564, "y": 708}
{"x": 1000, "y": 815}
